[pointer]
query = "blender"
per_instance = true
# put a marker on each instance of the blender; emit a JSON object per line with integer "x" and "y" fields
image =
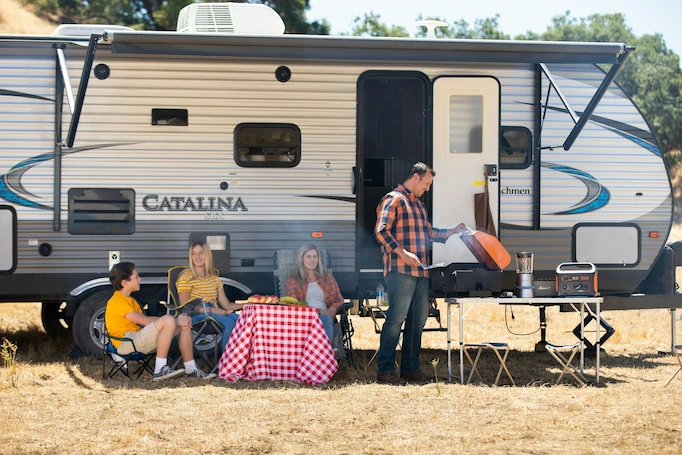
{"x": 524, "y": 275}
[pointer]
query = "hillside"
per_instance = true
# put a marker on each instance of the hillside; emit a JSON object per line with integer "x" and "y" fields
{"x": 15, "y": 19}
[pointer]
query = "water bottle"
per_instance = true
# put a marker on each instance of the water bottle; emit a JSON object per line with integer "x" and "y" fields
{"x": 380, "y": 294}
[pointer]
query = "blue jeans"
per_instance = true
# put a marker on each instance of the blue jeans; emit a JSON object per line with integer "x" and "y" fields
{"x": 409, "y": 303}
{"x": 227, "y": 322}
{"x": 328, "y": 323}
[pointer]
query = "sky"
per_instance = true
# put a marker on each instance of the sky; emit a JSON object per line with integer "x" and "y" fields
{"x": 516, "y": 16}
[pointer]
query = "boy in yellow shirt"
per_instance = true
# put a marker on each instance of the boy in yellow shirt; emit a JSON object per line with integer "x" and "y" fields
{"x": 124, "y": 318}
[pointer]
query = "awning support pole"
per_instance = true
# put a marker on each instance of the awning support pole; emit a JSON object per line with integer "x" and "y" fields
{"x": 83, "y": 87}
{"x": 65, "y": 75}
{"x": 601, "y": 91}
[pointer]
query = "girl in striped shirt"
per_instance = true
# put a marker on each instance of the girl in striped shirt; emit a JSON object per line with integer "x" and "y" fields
{"x": 200, "y": 284}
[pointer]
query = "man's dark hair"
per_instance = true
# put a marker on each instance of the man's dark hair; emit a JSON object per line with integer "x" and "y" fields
{"x": 420, "y": 169}
{"x": 121, "y": 272}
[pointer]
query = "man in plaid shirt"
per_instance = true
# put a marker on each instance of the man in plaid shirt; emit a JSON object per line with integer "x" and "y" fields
{"x": 404, "y": 232}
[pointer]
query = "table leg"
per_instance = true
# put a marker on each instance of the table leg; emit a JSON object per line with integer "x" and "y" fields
{"x": 582, "y": 338}
{"x": 461, "y": 344}
{"x": 448, "y": 343}
{"x": 598, "y": 344}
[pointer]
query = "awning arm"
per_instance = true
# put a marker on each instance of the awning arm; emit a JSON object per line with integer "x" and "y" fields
{"x": 65, "y": 75}
{"x": 558, "y": 91}
{"x": 83, "y": 87}
{"x": 599, "y": 94}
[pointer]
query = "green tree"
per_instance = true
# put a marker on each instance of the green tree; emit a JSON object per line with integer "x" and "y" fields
{"x": 161, "y": 14}
{"x": 370, "y": 25}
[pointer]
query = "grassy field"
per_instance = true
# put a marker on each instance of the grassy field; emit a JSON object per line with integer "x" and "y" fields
{"x": 51, "y": 403}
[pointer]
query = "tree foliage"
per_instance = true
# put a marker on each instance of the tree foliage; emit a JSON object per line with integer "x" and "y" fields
{"x": 488, "y": 28}
{"x": 370, "y": 25}
{"x": 161, "y": 14}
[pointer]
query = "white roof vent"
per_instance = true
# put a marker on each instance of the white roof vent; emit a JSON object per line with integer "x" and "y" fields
{"x": 86, "y": 29}
{"x": 237, "y": 18}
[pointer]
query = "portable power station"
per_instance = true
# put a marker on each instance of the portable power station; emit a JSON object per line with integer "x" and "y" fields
{"x": 576, "y": 279}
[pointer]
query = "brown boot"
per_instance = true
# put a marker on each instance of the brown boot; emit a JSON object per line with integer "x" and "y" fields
{"x": 416, "y": 377}
{"x": 390, "y": 378}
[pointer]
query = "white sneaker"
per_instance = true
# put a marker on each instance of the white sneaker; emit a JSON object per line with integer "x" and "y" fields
{"x": 167, "y": 373}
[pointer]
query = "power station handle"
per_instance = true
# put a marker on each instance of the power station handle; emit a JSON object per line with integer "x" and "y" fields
{"x": 585, "y": 267}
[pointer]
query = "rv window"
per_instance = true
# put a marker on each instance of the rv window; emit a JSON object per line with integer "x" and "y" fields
{"x": 169, "y": 117}
{"x": 466, "y": 124}
{"x": 515, "y": 147}
{"x": 267, "y": 145}
{"x": 101, "y": 211}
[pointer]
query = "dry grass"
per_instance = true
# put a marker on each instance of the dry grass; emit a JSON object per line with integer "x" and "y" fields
{"x": 15, "y": 19}
{"x": 62, "y": 405}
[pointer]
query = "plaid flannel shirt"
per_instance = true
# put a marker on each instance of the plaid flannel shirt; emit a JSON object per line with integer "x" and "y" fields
{"x": 402, "y": 222}
{"x": 332, "y": 293}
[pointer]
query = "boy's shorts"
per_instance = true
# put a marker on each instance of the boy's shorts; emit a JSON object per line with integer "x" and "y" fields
{"x": 145, "y": 340}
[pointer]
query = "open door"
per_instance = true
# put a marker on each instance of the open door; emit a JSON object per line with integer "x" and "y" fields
{"x": 466, "y": 125}
{"x": 392, "y": 135}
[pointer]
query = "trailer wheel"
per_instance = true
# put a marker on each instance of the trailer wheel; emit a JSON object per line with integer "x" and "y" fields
{"x": 55, "y": 322}
{"x": 88, "y": 324}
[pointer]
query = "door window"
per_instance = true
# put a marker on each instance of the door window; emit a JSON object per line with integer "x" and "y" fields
{"x": 466, "y": 124}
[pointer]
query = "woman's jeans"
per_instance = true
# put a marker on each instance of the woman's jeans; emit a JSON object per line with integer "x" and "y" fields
{"x": 328, "y": 323}
{"x": 227, "y": 322}
{"x": 408, "y": 298}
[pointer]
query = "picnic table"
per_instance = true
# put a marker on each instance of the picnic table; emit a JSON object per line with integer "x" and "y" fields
{"x": 279, "y": 343}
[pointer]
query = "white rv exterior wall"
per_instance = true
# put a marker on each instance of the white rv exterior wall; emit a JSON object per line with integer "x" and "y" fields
{"x": 321, "y": 100}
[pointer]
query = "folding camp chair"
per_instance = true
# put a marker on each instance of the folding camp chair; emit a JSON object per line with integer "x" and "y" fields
{"x": 284, "y": 266}
{"x": 123, "y": 363}
{"x": 558, "y": 351}
{"x": 206, "y": 333}
{"x": 677, "y": 350}
{"x": 496, "y": 348}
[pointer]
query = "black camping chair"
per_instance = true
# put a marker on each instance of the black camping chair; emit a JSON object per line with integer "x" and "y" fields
{"x": 206, "y": 333}
{"x": 136, "y": 361}
{"x": 284, "y": 266}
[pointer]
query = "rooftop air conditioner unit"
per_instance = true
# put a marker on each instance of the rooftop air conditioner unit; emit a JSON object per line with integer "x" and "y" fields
{"x": 236, "y": 18}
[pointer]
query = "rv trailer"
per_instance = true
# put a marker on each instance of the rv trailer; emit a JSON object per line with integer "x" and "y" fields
{"x": 128, "y": 145}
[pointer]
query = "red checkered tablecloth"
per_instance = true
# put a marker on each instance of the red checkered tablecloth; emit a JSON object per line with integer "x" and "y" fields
{"x": 280, "y": 343}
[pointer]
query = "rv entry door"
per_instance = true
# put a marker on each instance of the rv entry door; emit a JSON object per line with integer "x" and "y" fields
{"x": 466, "y": 125}
{"x": 392, "y": 135}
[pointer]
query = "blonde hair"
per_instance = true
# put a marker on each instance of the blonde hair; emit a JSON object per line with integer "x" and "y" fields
{"x": 301, "y": 275}
{"x": 208, "y": 259}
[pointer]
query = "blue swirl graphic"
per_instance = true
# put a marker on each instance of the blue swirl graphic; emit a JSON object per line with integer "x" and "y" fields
{"x": 597, "y": 196}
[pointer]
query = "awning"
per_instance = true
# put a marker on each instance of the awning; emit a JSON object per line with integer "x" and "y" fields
{"x": 314, "y": 47}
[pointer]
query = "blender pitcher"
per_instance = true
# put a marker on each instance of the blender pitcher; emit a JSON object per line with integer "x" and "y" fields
{"x": 524, "y": 275}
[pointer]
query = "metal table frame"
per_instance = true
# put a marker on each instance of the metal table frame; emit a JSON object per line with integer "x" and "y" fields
{"x": 584, "y": 303}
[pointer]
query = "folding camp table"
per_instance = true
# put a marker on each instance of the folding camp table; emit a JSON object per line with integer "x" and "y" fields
{"x": 583, "y": 302}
